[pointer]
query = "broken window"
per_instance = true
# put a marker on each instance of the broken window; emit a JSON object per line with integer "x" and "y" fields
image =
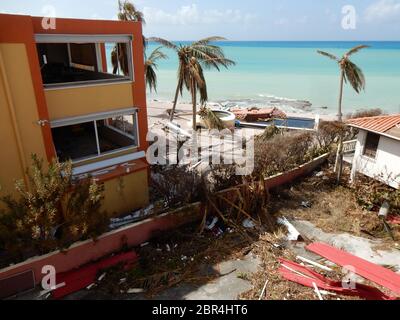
{"x": 66, "y": 60}
{"x": 371, "y": 144}
{"x": 90, "y": 139}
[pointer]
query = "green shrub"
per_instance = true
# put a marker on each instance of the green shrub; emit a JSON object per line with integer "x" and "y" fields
{"x": 52, "y": 212}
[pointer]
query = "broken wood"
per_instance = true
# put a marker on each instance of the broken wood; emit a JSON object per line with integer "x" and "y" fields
{"x": 315, "y": 264}
{"x": 263, "y": 290}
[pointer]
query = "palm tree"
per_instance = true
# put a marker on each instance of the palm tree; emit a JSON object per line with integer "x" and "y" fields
{"x": 150, "y": 67}
{"x": 349, "y": 72}
{"x": 127, "y": 12}
{"x": 192, "y": 59}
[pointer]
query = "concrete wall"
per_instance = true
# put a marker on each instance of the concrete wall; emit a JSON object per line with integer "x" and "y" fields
{"x": 385, "y": 167}
{"x": 290, "y": 176}
{"x": 23, "y": 101}
{"x": 71, "y": 102}
{"x": 20, "y": 135}
{"x": 126, "y": 193}
{"x": 84, "y": 252}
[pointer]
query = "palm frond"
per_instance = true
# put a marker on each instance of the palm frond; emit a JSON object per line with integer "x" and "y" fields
{"x": 211, "y": 56}
{"x": 128, "y": 12}
{"x": 151, "y": 77}
{"x": 151, "y": 66}
{"x": 354, "y": 75}
{"x": 329, "y": 55}
{"x": 164, "y": 42}
{"x": 197, "y": 75}
{"x": 157, "y": 54}
{"x": 208, "y": 40}
{"x": 356, "y": 49}
{"x": 211, "y": 119}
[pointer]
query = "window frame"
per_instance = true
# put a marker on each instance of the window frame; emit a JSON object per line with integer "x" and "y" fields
{"x": 368, "y": 135}
{"x": 100, "y": 117}
{"x": 95, "y": 39}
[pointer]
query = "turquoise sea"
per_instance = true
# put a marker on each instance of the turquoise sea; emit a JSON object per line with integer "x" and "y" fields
{"x": 290, "y": 74}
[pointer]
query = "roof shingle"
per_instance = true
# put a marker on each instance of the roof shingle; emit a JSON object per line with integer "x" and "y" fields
{"x": 378, "y": 124}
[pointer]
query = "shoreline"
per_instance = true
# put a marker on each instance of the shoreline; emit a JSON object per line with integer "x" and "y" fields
{"x": 157, "y": 108}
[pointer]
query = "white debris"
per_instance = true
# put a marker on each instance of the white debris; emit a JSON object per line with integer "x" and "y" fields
{"x": 293, "y": 234}
{"x": 90, "y": 286}
{"x": 135, "y": 291}
{"x": 212, "y": 224}
{"x": 306, "y": 204}
{"x": 249, "y": 224}
{"x": 101, "y": 277}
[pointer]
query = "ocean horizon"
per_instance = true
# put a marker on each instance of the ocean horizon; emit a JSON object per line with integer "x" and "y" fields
{"x": 291, "y": 75}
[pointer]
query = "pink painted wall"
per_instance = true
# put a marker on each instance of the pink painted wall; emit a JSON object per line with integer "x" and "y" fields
{"x": 84, "y": 252}
{"x": 290, "y": 176}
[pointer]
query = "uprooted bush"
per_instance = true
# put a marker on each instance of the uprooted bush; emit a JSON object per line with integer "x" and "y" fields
{"x": 371, "y": 194}
{"x": 51, "y": 213}
{"x": 176, "y": 185}
{"x": 284, "y": 152}
{"x": 329, "y": 132}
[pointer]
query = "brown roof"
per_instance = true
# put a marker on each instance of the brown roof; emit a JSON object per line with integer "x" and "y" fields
{"x": 386, "y": 125}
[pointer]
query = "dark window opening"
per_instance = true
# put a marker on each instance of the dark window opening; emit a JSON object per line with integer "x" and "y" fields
{"x": 75, "y": 142}
{"x": 371, "y": 144}
{"x": 66, "y": 63}
{"x": 116, "y": 133}
{"x": 95, "y": 138}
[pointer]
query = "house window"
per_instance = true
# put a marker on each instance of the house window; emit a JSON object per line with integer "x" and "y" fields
{"x": 78, "y": 60}
{"x": 82, "y": 140}
{"x": 371, "y": 145}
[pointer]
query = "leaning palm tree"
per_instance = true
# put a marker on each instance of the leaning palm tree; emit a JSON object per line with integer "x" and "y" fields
{"x": 349, "y": 72}
{"x": 150, "y": 67}
{"x": 127, "y": 12}
{"x": 193, "y": 58}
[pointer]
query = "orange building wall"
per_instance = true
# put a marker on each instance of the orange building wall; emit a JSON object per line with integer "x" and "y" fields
{"x": 33, "y": 103}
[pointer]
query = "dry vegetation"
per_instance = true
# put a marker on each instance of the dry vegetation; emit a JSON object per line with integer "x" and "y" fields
{"x": 334, "y": 208}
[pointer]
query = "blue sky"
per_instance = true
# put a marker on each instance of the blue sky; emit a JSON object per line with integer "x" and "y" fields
{"x": 238, "y": 19}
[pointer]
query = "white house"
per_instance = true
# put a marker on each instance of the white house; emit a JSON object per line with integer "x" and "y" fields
{"x": 377, "y": 152}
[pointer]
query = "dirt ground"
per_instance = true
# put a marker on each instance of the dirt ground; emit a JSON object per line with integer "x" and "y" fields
{"x": 330, "y": 207}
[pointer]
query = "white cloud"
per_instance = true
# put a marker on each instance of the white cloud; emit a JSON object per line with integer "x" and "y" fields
{"x": 191, "y": 14}
{"x": 382, "y": 10}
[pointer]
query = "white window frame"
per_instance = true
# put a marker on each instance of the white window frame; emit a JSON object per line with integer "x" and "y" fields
{"x": 100, "y": 117}
{"x": 96, "y": 39}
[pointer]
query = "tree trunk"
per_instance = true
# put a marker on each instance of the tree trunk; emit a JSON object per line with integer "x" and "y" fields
{"x": 194, "y": 102}
{"x": 171, "y": 116}
{"x": 340, "y": 114}
{"x": 339, "y": 155}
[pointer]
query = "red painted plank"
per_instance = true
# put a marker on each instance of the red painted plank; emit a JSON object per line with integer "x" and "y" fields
{"x": 79, "y": 279}
{"x": 394, "y": 219}
{"x": 368, "y": 270}
{"x": 306, "y": 277}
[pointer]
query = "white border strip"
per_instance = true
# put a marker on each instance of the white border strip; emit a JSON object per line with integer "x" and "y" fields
{"x": 92, "y": 117}
{"x": 72, "y": 38}
{"x": 108, "y": 163}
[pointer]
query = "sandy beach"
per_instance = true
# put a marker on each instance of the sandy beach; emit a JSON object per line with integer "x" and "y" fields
{"x": 157, "y": 111}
